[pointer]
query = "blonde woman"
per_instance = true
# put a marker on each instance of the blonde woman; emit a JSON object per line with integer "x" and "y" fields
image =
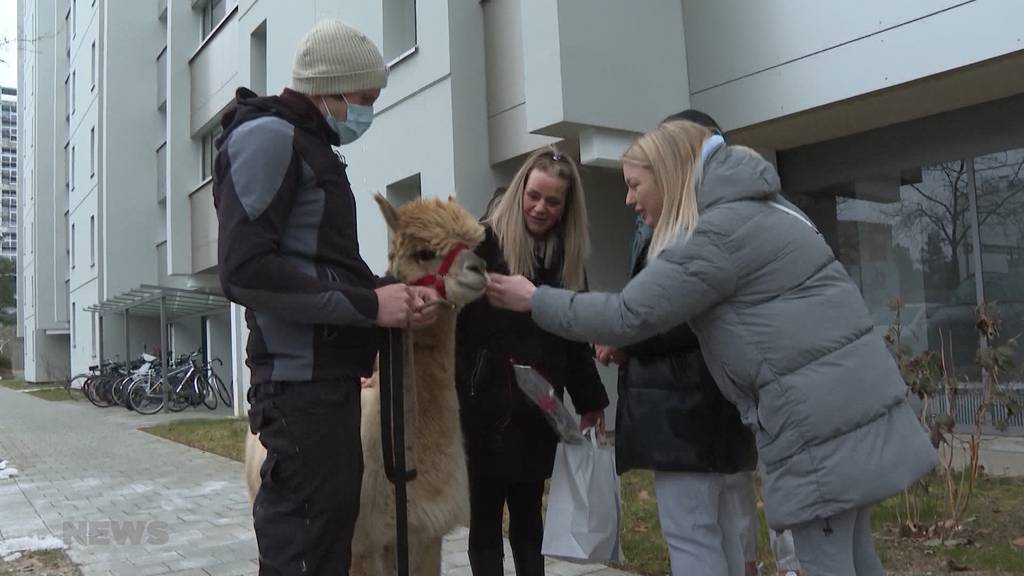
{"x": 538, "y": 229}
{"x": 784, "y": 331}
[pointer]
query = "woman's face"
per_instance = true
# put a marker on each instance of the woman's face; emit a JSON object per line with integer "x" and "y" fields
{"x": 543, "y": 202}
{"x": 642, "y": 194}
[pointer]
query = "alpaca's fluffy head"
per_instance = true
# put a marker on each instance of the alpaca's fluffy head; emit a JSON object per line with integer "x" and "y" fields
{"x": 423, "y": 232}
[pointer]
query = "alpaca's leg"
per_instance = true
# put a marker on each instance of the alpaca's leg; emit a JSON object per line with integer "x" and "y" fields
{"x": 255, "y": 454}
{"x": 360, "y": 566}
{"x": 373, "y": 564}
{"x": 425, "y": 556}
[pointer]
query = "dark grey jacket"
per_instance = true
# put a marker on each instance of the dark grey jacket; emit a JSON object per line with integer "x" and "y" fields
{"x": 288, "y": 248}
{"x": 787, "y": 337}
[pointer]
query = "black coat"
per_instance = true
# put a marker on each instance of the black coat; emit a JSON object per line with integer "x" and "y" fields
{"x": 506, "y": 435}
{"x": 670, "y": 414}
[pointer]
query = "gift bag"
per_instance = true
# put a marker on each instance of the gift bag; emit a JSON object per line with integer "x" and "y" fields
{"x": 582, "y": 519}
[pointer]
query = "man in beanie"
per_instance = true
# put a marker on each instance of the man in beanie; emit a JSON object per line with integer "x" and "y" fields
{"x": 289, "y": 252}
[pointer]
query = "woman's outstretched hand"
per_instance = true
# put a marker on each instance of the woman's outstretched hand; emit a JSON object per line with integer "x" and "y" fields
{"x": 510, "y": 292}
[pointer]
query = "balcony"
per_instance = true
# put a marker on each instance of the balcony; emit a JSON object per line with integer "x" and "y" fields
{"x": 204, "y": 228}
{"x": 161, "y": 173}
{"x": 214, "y": 73}
{"x": 161, "y": 263}
{"x": 552, "y": 78}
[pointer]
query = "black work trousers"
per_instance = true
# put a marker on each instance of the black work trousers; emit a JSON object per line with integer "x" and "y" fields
{"x": 305, "y": 511}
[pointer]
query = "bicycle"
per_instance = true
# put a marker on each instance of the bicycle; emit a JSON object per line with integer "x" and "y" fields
{"x": 214, "y": 381}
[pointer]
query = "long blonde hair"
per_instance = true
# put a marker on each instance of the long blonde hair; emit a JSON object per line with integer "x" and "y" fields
{"x": 672, "y": 154}
{"x": 570, "y": 234}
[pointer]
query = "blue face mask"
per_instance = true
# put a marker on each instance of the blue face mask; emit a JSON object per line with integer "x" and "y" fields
{"x": 357, "y": 121}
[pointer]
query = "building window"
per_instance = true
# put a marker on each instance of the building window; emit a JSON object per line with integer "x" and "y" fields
{"x": 93, "y": 319}
{"x": 999, "y": 181}
{"x": 209, "y": 152}
{"x": 74, "y": 333}
{"x": 67, "y": 35}
{"x": 161, "y": 78}
{"x": 93, "y": 74}
{"x": 213, "y": 13}
{"x": 258, "y": 59}
{"x": 92, "y": 151}
{"x": 73, "y": 86}
{"x": 922, "y": 234}
{"x": 67, "y": 171}
{"x": 404, "y": 191}
{"x": 72, "y": 246}
{"x": 67, "y": 100}
{"x": 73, "y": 168}
{"x": 92, "y": 240}
{"x": 399, "y": 29}
{"x": 74, "y": 18}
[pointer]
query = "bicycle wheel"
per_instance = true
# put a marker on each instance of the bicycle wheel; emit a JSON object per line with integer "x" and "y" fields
{"x": 99, "y": 391}
{"x": 119, "y": 390}
{"x": 208, "y": 393}
{"x": 222, "y": 390}
{"x": 145, "y": 396}
{"x": 75, "y": 387}
{"x": 180, "y": 398}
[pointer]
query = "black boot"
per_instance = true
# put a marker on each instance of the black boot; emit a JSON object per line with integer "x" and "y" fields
{"x": 488, "y": 562}
{"x": 529, "y": 562}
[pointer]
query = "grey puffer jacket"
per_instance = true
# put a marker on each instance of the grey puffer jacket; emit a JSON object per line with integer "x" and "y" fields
{"x": 786, "y": 336}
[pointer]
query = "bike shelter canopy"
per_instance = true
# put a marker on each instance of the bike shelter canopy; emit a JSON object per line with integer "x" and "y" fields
{"x": 167, "y": 304}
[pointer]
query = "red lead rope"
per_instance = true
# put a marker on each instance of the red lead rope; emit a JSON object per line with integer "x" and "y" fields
{"x": 436, "y": 280}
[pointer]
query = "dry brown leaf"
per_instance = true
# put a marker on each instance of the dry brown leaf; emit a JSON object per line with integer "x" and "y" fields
{"x": 644, "y": 495}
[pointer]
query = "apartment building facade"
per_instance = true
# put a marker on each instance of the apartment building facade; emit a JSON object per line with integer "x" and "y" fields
{"x": 9, "y": 172}
{"x": 97, "y": 282}
{"x": 897, "y": 127}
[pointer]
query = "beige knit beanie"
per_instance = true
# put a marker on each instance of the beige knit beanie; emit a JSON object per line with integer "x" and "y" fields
{"x": 334, "y": 58}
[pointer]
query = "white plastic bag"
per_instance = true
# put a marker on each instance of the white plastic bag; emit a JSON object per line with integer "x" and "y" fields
{"x": 582, "y": 519}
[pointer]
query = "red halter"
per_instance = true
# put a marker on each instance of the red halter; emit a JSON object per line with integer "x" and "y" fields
{"x": 436, "y": 280}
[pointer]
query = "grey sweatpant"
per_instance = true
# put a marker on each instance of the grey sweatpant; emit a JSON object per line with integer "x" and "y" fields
{"x": 699, "y": 524}
{"x": 838, "y": 546}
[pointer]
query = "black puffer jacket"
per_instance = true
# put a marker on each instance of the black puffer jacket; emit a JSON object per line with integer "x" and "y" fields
{"x": 506, "y": 435}
{"x": 671, "y": 415}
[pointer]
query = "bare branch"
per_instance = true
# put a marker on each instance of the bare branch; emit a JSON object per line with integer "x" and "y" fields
{"x": 940, "y": 203}
{"x": 996, "y": 209}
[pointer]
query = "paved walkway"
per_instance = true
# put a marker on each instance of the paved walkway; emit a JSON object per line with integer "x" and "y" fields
{"x": 1000, "y": 455}
{"x": 130, "y": 504}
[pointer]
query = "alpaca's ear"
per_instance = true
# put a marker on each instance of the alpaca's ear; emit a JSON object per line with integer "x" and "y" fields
{"x": 390, "y": 212}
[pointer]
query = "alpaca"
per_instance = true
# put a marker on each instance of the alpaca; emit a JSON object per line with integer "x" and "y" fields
{"x": 423, "y": 232}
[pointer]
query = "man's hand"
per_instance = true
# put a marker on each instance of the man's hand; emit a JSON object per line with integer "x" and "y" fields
{"x": 423, "y": 313}
{"x": 595, "y": 420}
{"x": 510, "y": 292}
{"x": 395, "y": 304}
{"x": 610, "y": 354}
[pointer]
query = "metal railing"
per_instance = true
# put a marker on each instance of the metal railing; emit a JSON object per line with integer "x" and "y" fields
{"x": 967, "y": 399}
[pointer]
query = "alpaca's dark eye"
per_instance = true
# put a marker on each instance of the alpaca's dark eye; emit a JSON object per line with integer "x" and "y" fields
{"x": 424, "y": 255}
